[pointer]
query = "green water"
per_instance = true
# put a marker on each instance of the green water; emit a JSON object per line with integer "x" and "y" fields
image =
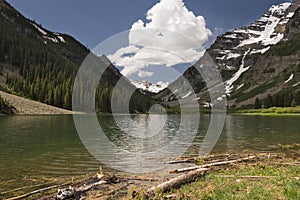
{"x": 48, "y": 146}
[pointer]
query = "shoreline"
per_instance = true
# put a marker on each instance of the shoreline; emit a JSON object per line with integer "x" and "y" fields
{"x": 273, "y": 111}
{"x": 266, "y": 114}
{"x": 25, "y": 106}
{"x": 263, "y": 167}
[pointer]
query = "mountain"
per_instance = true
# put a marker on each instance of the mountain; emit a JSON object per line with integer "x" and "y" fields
{"x": 151, "y": 87}
{"x": 42, "y": 65}
{"x": 259, "y": 62}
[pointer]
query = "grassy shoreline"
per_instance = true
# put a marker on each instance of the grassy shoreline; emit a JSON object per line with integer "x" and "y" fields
{"x": 261, "y": 180}
{"x": 277, "y": 111}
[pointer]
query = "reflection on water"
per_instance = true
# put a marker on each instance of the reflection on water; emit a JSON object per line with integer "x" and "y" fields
{"x": 258, "y": 132}
{"x": 139, "y": 142}
{"x": 49, "y": 145}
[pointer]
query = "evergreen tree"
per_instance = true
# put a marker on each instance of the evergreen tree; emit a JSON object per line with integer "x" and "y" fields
{"x": 268, "y": 103}
{"x": 257, "y": 104}
{"x": 294, "y": 103}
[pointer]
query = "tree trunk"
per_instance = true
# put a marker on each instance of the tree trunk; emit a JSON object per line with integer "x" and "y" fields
{"x": 177, "y": 181}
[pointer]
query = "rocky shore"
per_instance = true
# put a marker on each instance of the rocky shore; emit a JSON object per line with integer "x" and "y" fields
{"x": 24, "y": 106}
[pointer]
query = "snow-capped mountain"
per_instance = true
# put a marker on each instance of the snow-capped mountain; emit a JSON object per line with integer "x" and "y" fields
{"x": 255, "y": 62}
{"x": 151, "y": 87}
{"x": 259, "y": 36}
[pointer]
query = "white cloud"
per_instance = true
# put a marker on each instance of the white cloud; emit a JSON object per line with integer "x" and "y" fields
{"x": 145, "y": 74}
{"x": 172, "y": 35}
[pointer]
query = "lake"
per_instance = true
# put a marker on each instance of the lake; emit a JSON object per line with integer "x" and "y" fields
{"x": 48, "y": 146}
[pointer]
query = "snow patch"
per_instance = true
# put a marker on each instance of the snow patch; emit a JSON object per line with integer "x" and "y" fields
{"x": 44, "y": 33}
{"x": 230, "y": 67}
{"x": 242, "y": 69}
{"x": 240, "y": 86}
{"x": 188, "y": 94}
{"x": 290, "y": 15}
{"x": 289, "y": 79}
{"x": 274, "y": 40}
{"x": 61, "y": 39}
{"x": 50, "y": 38}
{"x": 233, "y": 55}
{"x": 220, "y": 58}
{"x": 296, "y": 84}
{"x": 262, "y": 51}
{"x": 231, "y": 36}
{"x": 39, "y": 29}
{"x": 268, "y": 36}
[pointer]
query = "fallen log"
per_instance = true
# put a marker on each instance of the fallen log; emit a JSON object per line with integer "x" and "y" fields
{"x": 212, "y": 164}
{"x": 175, "y": 182}
{"x": 34, "y": 192}
{"x": 180, "y": 161}
{"x": 20, "y": 188}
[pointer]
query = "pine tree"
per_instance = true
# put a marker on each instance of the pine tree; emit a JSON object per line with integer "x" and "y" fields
{"x": 294, "y": 103}
{"x": 268, "y": 103}
{"x": 257, "y": 104}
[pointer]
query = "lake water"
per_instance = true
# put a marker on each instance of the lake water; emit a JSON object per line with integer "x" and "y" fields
{"x": 48, "y": 146}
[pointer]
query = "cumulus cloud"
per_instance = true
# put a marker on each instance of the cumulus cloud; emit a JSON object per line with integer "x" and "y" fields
{"x": 145, "y": 74}
{"x": 171, "y": 35}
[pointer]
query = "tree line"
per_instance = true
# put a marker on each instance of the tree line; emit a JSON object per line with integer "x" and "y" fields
{"x": 284, "y": 98}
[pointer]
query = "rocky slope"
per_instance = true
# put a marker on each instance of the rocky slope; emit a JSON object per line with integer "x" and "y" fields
{"x": 24, "y": 106}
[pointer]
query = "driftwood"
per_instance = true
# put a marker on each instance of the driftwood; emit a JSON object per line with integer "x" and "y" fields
{"x": 20, "y": 188}
{"x": 220, "y": 155}
{"x": 181, "y": 161}
{"x": 192, "y": 174}
{"x": 213, "y": 164}
{"x": 177, "y": 181}
{"x": 69, "y": 192}
{"x": 139, "y": 178}
{"x": 34, "y": 192}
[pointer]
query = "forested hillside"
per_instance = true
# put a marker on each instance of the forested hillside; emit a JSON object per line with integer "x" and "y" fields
{"x": 42, "y": 65}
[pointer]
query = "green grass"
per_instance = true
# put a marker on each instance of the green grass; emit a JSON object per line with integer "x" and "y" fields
{"x": 282, "y": 184}
{"x": 271, "y": 111}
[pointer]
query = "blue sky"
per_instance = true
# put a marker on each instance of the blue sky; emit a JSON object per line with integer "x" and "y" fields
{"x": 93, "y": 21}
